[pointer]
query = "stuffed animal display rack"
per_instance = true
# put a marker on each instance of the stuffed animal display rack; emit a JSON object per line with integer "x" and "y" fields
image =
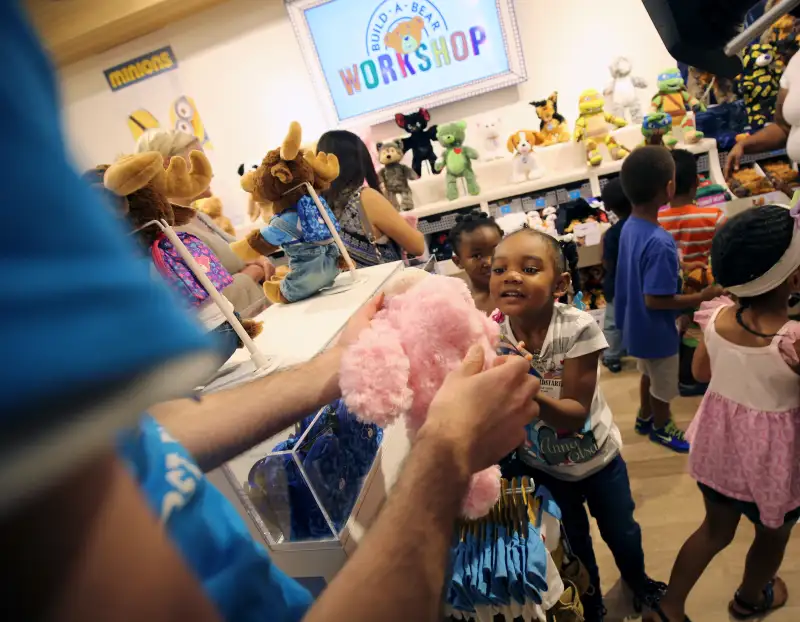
{"x": 427, "y": 325}
{"x": 525, "y": 165}
{"x": 553, "y": 127}
{"x": 594, "y": 127}
{"x": 394, "y": 176}
{"x": 622, "y": 90}
{"x": 297, "y": 227}
{"x": 457, "y": 158}
{"x": 421, "y": 138}
{"x": 142, "y": 191}
{"x": 674, "y": 99}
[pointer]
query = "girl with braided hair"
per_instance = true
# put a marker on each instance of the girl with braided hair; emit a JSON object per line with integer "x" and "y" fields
{"x": 473, "y": 240}
{"x": 745, "y": 438}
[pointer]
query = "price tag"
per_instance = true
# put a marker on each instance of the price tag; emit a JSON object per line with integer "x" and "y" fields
{"x": 574, "y": 195}
{"x": 540, "y": 202}
{"x": 505, "y": 209}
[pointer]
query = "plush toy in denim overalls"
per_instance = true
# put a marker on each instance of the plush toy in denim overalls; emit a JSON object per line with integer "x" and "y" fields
{"x": 297, "y": 226}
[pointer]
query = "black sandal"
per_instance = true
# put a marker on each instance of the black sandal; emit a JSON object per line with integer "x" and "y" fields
{"x": 750, "y": 610}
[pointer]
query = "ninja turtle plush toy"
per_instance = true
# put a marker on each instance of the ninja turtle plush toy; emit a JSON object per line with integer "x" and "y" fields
{"x": 759, "y": 83}
{"x": 654, "y": 126}
{"x": 674, "y": 99}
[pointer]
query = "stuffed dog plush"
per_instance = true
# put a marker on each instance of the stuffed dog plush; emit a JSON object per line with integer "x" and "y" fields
{"x": 525, "y": 165}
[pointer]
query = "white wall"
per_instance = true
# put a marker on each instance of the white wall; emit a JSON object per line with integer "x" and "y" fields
{"x": 243, "y": 66}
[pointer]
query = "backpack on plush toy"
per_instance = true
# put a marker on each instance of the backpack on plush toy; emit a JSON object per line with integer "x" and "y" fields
{"x": 311, "y": 222}
{"x": 172, "y": 267}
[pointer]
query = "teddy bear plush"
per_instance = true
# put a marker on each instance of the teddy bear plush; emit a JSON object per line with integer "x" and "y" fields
{"x": 296, "y": 227}
{"x": 420, "y": 139}
{"x": 212, "y": 206}
{"x": 141, "y": 191}
{"x": 457, "y": 158}
{"x": 394, "y": 176}
{"x": 406, "y": 36}
{"x": 427, "y": 325}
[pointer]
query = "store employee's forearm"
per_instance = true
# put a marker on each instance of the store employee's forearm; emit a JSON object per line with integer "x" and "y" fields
{"x": 398, "y": 572}
{"x": 770, "y": 137}
{"x": 222, "y": 425}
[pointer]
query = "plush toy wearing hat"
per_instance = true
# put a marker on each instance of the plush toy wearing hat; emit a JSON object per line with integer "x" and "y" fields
{"x": 297, "y": 227}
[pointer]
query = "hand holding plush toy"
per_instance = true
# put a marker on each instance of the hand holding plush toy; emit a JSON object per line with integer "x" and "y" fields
{"x": 394, "y": 370}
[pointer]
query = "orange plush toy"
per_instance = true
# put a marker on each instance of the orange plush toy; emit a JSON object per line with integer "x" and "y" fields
{"x": 297, "y": 226}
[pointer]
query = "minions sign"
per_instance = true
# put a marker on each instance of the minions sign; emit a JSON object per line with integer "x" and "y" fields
{"x": 376, "y": 55}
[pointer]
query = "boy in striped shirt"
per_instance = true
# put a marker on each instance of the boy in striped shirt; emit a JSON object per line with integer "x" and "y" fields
{"x": 691, "y": 226}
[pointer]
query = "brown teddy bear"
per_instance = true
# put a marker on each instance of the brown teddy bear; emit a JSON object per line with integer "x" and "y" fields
{"x": 297, "y": 227}
{"x": 212, "y": 206}
{"x": 406, "y": 36}
{"x": 394, "y": 176}
{"x": 141, "y": 190}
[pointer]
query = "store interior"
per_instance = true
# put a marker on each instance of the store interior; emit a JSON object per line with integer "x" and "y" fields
{"x": 242, "y": 68}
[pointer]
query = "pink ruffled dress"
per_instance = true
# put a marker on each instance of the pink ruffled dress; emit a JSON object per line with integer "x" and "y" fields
{"x": 745, "y": 438}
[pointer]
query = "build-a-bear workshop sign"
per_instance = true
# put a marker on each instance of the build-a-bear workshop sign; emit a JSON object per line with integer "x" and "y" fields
{"x": 376, "y": 54}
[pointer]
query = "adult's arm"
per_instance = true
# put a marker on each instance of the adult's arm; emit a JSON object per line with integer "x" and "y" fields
{"x": 222, "y": 425}
{"x": 768, "y": 138}
{"x": 398, "y": 571}
{"x": 384, "y": 217}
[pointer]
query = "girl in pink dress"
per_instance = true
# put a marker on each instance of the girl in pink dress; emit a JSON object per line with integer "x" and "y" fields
{"x": 745, "y": 438}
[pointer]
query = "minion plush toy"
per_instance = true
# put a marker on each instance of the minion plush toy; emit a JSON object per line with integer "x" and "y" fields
{"x": 759, "y": 83}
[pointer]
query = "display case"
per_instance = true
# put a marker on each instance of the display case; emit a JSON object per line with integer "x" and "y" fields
{"x": 309, "y": 492}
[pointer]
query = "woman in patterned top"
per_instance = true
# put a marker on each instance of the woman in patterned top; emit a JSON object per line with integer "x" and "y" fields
{"x": 370, "y": 226}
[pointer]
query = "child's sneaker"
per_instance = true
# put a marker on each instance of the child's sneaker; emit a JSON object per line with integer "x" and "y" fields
{"x": 613, "y": 365}
{"x": 643, "y": 426}
{"x": 671, "y": 437}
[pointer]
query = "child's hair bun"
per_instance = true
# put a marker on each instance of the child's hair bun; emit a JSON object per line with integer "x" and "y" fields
{"x": 471, "y": 217}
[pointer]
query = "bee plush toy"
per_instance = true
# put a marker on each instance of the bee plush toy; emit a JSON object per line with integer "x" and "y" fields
{"x": 759, "y": 83}
{"x": 420, "y": 142}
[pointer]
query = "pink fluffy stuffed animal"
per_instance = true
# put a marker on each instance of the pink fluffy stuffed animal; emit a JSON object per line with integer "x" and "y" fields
{"x": 398, "y": 364}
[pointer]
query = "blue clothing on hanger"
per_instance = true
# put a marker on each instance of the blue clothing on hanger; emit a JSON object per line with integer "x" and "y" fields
{"x": 476, "y": 571}
{"x": 548, "y": 504}
{"x": 461, "y": 599}
{"x": 500, "y": 576}
{"x": 515, "y": 587}
{"x": 535, "y": 574}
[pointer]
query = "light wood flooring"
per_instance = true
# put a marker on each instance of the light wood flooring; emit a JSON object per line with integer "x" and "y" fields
{"x": 669, "y": 509}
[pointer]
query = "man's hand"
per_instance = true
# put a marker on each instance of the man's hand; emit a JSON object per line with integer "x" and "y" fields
{"x": 483, "y": 414}
{"x": 711, "y": 292}
{"x": 360, "y": 321}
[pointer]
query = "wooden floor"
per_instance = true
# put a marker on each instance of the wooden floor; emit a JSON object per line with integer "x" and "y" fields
{"x": 669, "y": 509}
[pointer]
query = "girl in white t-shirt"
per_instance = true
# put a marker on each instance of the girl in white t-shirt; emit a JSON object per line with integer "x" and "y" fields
{"x": 572, "y": 448}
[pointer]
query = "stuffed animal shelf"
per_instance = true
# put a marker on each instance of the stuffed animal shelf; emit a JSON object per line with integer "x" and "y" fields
{"x": 525, "y": 164}
{"x": 759, "y": 83}
{"x": 394, "y": 176}
{"x": 553, "y": 128}
{"x": 142, "y": 191}
{"x": 489, "y": 132}
{"x": 212, "y": 207}
{"x": 594, "y": 127}
{"x": 457, "y": 158}
{"x": 393, "y": 371}
{"x": 622, "y": 90}
{"x": 654, "y": 127}
{"x": 297, "y": 227}
{"x": 421, "y": 138}
{"x": 674, "y": 99}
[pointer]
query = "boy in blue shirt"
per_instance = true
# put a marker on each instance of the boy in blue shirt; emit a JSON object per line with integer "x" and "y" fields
{"x": 647, "y": 290}
{"x": 614, "y": 200}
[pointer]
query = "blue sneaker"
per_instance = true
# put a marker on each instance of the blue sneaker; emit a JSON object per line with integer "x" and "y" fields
{"x": 643, "y": 426}
{"x": 671, "y": 437}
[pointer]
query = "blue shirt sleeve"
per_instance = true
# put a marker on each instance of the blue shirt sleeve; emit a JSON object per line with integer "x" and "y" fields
{"x": 660, "y": 268}
{"x": 276, "y": 236}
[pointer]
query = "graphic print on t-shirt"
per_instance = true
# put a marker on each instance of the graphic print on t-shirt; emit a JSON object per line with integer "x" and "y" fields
{"x": 546, "y": 444}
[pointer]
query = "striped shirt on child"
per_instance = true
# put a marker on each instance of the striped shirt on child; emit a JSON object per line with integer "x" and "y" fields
{"x": 692, "y": 227}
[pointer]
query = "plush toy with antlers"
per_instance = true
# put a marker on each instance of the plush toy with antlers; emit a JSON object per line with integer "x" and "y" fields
{"x": 297, "y": 227}
{"x": 142, "y": 191}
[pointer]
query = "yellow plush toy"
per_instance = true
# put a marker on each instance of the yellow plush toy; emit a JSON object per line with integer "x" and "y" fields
{"x": 594, "y": 126}
{"x": 553, "y": 128}
{"x": 212, "y": 206}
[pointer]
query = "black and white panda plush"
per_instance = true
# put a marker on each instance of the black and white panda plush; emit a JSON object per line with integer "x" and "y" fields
{"x": 247, "y": 166}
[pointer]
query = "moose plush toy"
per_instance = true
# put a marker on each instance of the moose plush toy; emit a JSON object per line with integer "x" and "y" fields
{"x": 394, "y": 176}
{"x": 142, "y": 191}
{"x": 297, "y": 227}
{"x": 427, "y": 325}
{"x": 420, "y": 142}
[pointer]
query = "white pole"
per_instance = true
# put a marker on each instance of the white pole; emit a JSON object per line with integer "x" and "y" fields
{"x": 331, "y": 227}
{"x": 258, "y": 357}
